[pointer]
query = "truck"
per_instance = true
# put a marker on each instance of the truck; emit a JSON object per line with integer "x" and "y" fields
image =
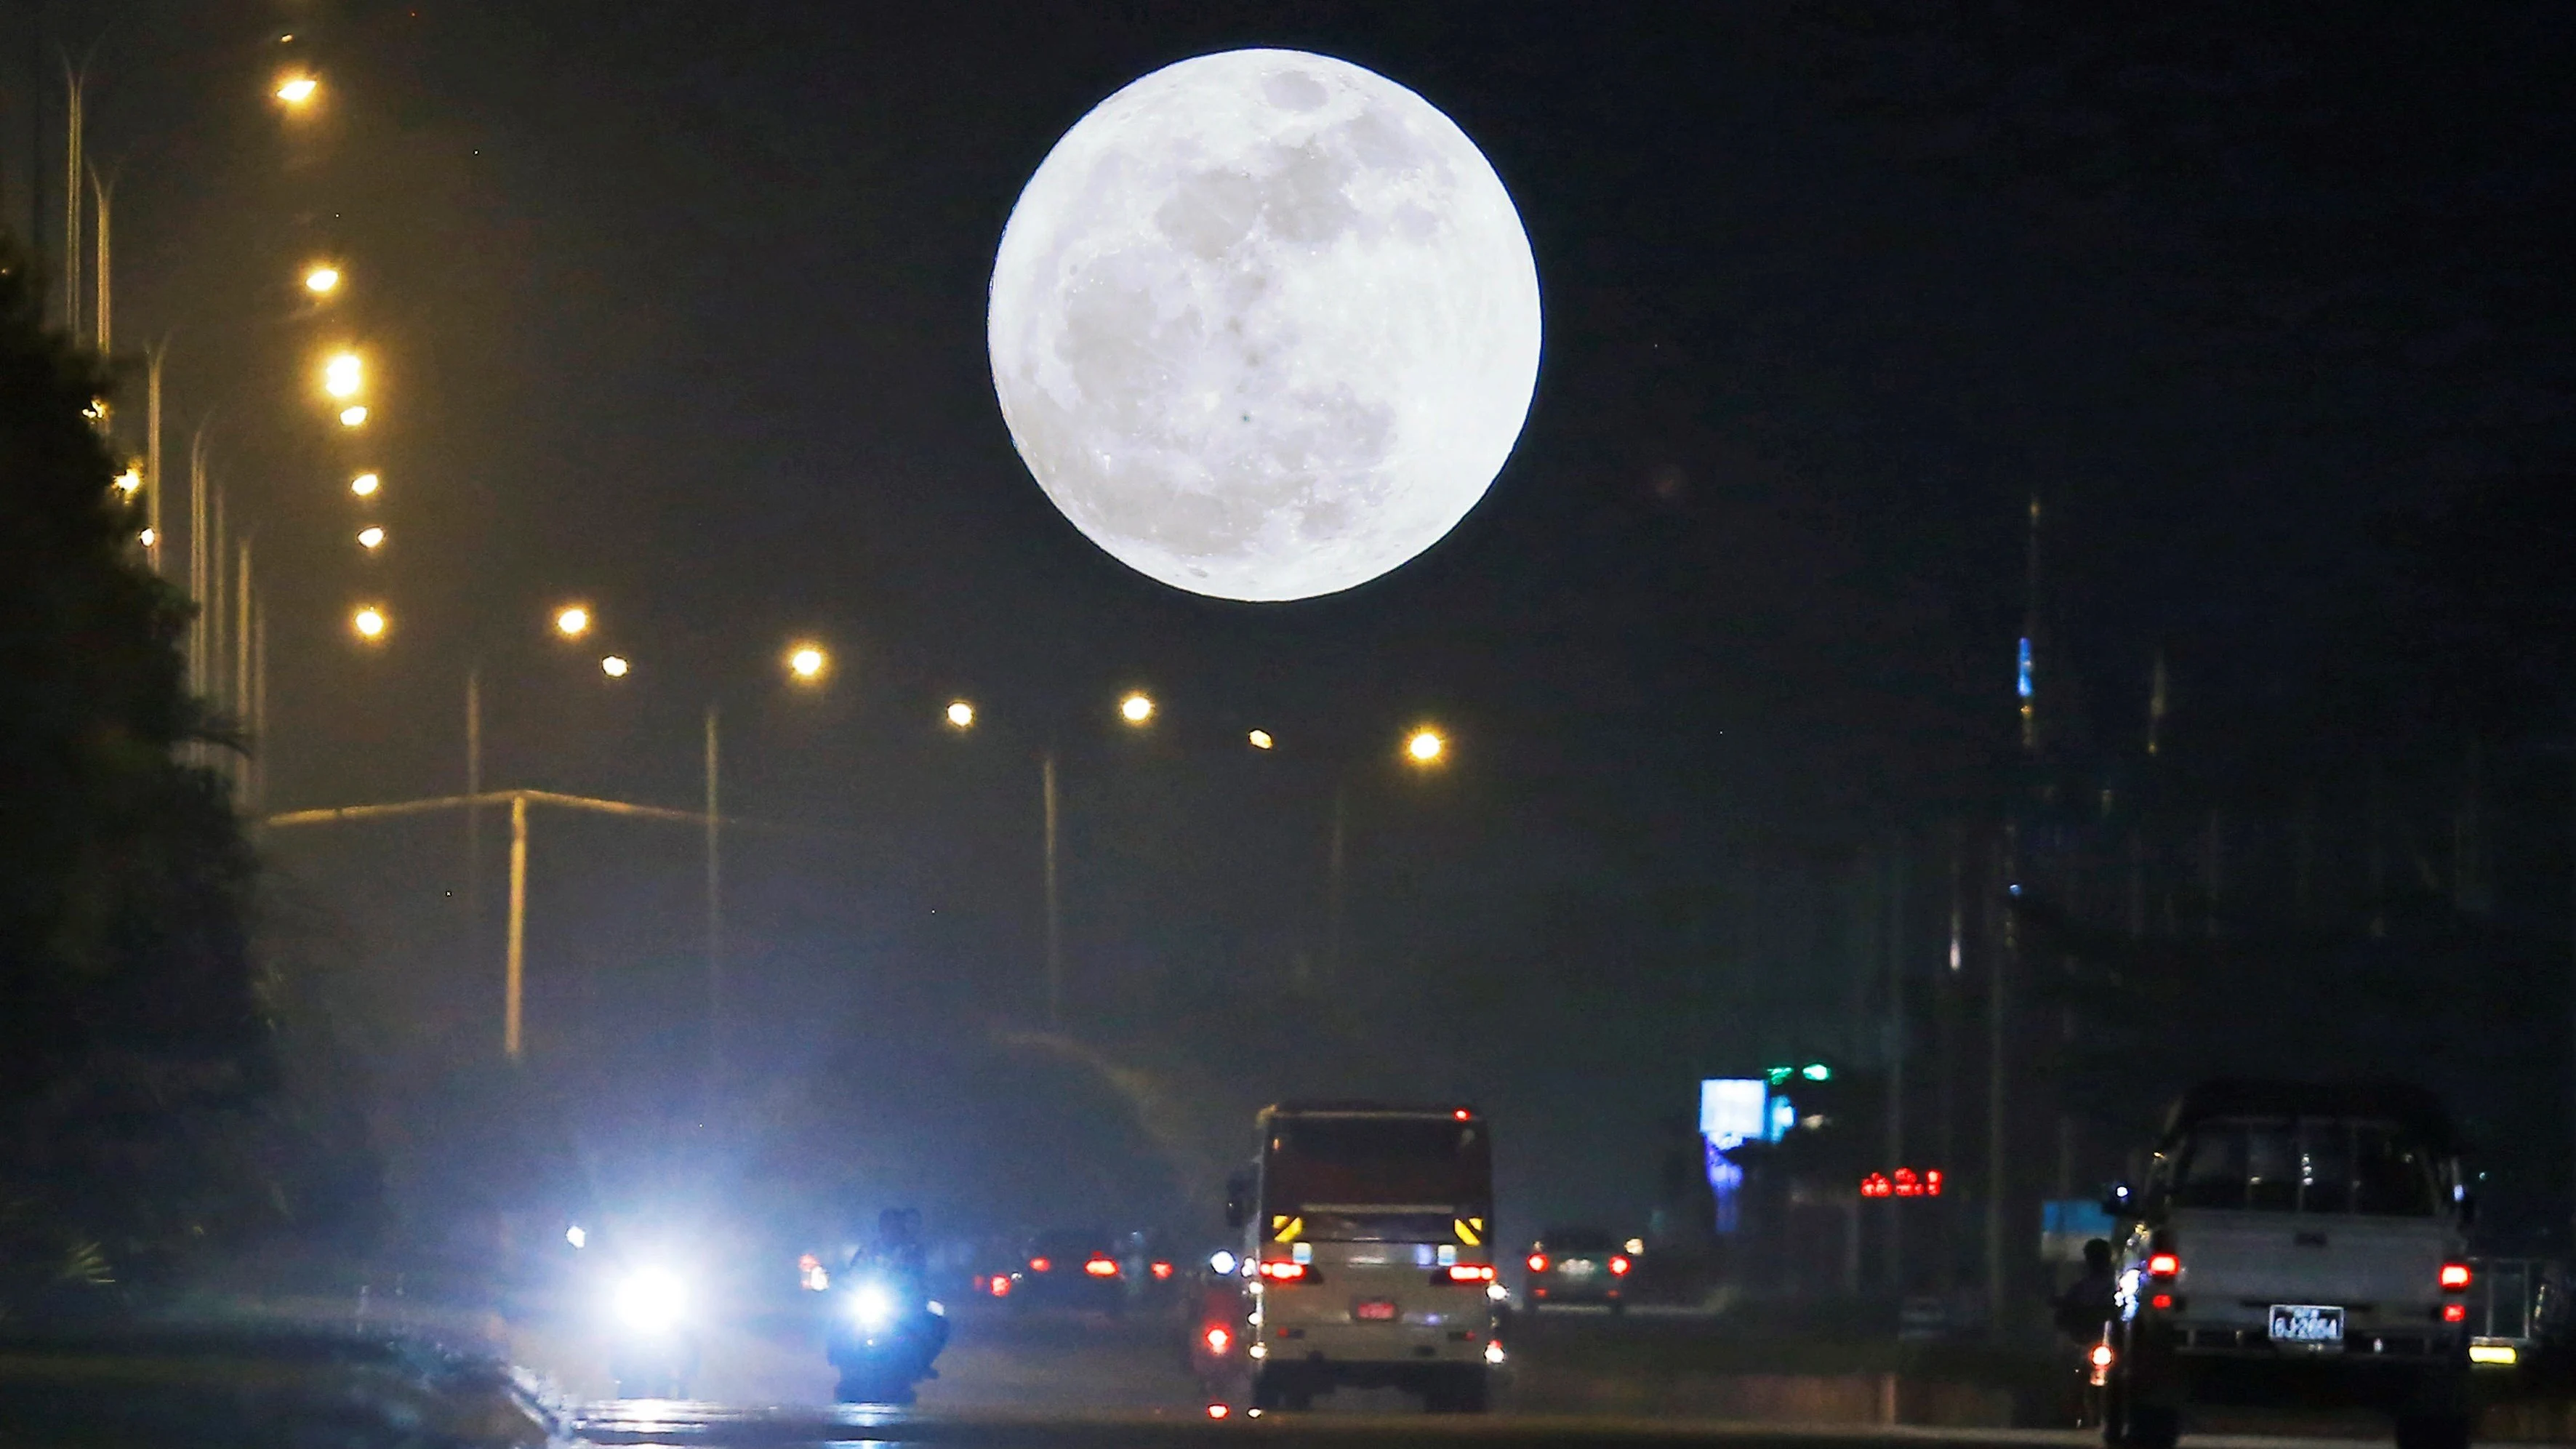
{"x": 1365, "y": 1259}
{"x": 2294, "y": 1242}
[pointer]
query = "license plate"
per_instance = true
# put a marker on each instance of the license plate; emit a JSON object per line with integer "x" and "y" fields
{"x": 2307, "y": 1325}
{"x": 1580, "y": 1268}
{"x": 1374, "y": 1312}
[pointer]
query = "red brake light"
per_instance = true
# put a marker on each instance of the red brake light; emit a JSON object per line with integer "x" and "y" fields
{"x": 1471, "y": 1273}
{"x": 2161, "y": 1300}
{"x": 1462, "y": 1114}
{"x": 1001, "y": 1286}
{"x": 1162, "y": 1270}
{"x": 1218, "y": 1340}
{"x": 1041, "y": 1265}
{"x": 1619, "y": 1267}
{"x": 1283, "y": 1272}
{"x": 1538, "y": 1262}
{"x": 1101, "y": 1268}
{"x": 2455, "y": 1277}
{"x": 2455, "y": 1313}
{"x": 2163, "y": 1265}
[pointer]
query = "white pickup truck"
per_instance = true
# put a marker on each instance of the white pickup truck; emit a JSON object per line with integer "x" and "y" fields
{"x": 2294, "y": 1243}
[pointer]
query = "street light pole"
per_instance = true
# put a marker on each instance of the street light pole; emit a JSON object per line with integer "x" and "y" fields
{"x": 152, "y": 450}
{"x": 72, "y": 117}
{"x": 715, "y": 915}
{"x": 473, "y": 811}
{"x": 1335, "y": 861}
{"x": 1054, "y": 916}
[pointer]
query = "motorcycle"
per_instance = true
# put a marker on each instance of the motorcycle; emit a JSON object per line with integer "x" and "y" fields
{"x": 653, "y": 1353}
{"x": 884, "y": 1337}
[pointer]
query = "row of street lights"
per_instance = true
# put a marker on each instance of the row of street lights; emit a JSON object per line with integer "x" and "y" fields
{"x": 808, "y": 663}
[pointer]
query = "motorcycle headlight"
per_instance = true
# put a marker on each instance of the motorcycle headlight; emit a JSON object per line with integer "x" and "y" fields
{"x": 651, "y": 1299}
{"x": 872, "y": 1307}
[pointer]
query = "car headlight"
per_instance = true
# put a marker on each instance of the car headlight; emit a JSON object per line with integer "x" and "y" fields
{"x": 872, "y": 1307}
{"x": 651, "y": 1299}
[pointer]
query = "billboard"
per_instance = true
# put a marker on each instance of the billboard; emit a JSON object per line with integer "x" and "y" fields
{"x": 1732, "y": 1112}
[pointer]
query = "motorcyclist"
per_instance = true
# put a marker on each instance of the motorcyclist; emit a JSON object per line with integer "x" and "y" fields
{"x": 2083, "y": 1313}
{"x": 892, "y": 1331}
{"x": 2091, "y": 1299}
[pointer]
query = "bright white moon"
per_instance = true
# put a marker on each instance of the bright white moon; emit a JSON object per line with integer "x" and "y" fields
{"x": 1264, "y": 325}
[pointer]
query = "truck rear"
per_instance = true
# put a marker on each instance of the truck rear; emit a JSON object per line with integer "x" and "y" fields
{"x": 2295, "y": 1242}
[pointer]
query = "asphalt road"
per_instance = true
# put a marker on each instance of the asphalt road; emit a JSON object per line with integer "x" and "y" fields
{"x": 1083, "y": 1380}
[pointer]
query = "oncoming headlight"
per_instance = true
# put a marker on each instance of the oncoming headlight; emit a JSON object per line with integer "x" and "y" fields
{"x": 872, "y": 1307}
{"x": 651, "y": 1299}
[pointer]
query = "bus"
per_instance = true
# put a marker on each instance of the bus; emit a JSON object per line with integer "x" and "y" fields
{"x": 1365, "y": 1254}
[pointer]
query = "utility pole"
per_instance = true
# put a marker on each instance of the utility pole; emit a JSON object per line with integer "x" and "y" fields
{"x": 1054, "y": 902}
{"x": 514, "y": 965}
{"x": 1998, "y": 1138}
{"x": 715, "y": 918}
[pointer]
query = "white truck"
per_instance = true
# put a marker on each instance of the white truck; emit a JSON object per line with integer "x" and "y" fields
{"x": 1365, "y": 1254}
{"x": 2294, "y": 1243}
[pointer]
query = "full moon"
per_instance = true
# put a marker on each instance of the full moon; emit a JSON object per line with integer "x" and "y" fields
{"x": 1264, "y": 325}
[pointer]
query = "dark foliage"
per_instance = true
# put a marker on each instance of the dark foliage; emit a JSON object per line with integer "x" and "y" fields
{"x": 133, "y": 1022}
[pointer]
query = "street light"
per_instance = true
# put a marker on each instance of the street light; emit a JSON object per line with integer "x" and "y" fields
{"x": 365, "y": 485}
{"x": 130, "y": 481}
{"x": 343, "y": 375}
{"x": 1425, "y": 746}
{"x": 1261, "y": 739}
{"x": 614, "y": 666}
{"x": 354, "y": 415}
{"x": 961, "y": 715}
{"x": 807, "y": 662}
{"x": 572, "y": 621}
{"x": 371, "y": 537}
{"x": 296, "y": 90}
{"x": 369, "y": 621}
{"x": 1136, "y": 709}
{"x": 321, "y": 279}
{"x": 149, "y": 537}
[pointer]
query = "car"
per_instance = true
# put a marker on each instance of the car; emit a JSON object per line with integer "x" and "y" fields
{"x": 2294, "y": 1242}
{"x": 1576, "y": 1266}
{"x": 1070, "y": 1268}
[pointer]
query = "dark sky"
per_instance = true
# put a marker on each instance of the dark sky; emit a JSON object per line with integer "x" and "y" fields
{"x": 677, "y": 308}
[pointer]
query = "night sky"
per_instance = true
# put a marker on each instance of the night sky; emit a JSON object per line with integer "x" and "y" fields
{"x": 678, "y": 309}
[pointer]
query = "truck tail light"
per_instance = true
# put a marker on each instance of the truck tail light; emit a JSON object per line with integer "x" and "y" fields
{"x": 2455, "y": 1277}
{"x": 1538, "y": 1262}
{"x": 1279, "y": 1272}
{"x": 1619, "y": 1267}
{"x": 1101, "y": 1268}
{"x": 1162, "y": 1270}
{"x": 2163, "y": 1266}
{"x": 1471, "y": 1273}
{"x": 2455, "y": 1313}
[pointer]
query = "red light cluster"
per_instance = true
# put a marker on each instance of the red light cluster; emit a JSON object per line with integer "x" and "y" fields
{"x": 1101, "y": 1268}
{"x": 1162, "y": 1270}
{"x": 1904, "y": 1182}
{"x": 1279, "y": 1272}
{"x": 1471, "y": 1272}
{"x": 2455, "y": 1277}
